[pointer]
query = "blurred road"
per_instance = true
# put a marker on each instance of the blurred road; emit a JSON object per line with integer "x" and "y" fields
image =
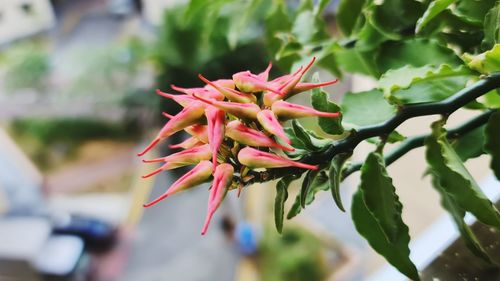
{"x": 168, "y": 245}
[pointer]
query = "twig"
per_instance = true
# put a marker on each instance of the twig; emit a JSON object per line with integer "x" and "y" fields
{"x": 418, "y": 141}
{"x": 348, "y": 144}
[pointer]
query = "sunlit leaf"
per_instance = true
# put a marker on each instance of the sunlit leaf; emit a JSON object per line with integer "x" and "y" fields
{"x": 434, "y": 9}
{"x": 348, "y": 14}
{"x": 423, "y": 84}
{"x": 457, "y": 214}
{"x": 365, "y": 108}
{"x": 487, "y": 62}
{"x": 380, "y": 195}
{"x": 320, "y": 101}
{"x": 455, "y": 178}
{"x": 492, "y": 27}
{"x": 396, "y": 253}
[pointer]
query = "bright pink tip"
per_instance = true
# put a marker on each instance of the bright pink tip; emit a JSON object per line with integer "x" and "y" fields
{"x": 160, "y": 198}
{"x": 149, "y": 147}
{"x": 163, "y": 94}
{"x": 169, "y": 116}
{"x": 208, "y": 219}
{"x": 178, "y": 89}
{"x": 153, "y": 160}
{"x": 206, "y": 81}
{"x": 157, "y": 171}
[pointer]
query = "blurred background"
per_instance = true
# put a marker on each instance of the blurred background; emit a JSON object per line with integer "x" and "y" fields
{"x": 77, "y": 102}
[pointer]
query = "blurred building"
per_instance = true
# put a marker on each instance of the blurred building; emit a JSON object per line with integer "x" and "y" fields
{"x": 22, "y": 18}
{"x": 20, "y": 182}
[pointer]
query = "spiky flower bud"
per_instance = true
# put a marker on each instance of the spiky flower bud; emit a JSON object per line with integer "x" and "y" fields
{"x": 234, "y": 123}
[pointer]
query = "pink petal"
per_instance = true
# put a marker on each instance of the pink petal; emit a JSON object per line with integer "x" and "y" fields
{"x": 223, "y": 177}
{"x": 254, "y": 158}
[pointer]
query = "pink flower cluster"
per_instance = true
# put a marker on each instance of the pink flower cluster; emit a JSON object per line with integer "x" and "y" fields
{"x": 234, "y": 125}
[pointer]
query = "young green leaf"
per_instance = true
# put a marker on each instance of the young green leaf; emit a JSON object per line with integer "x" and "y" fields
{"x": 492, "y": 99}
{"x": 434, "y": 9}
{"x": 295, "y": 209}
{"x": 423, "y": 84}
{"x": 306, "y": 186}
{"x": 308, "y": 139}
{"x": 415, "y": 52}
{"x": 487, "y": 62}
{"x": 348, "y": 14}
{"x": 301, "y": 133}
{"x": 396, "y": 253}
{"x": 279, "y": 202}
{"x": 492, "y": 145}
{"x": 457, "y": 213}
{"x": 365, "y": 108}
{"x": 492, "y": 27}
{"x": 455, "y": 178}
{"x": 474, "y": 11}
{"x": 470, "y": 145}
{"x": 396, "y": 16}
{"x": 319, "y": 100}
{"x": 276, "y": 21}
{"x": 380, "y": 195}
{"x": 335, "y": 175}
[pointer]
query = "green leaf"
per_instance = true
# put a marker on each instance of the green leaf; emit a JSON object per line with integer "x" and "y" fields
{"x": 394, "y": 137}
{"x": 241, "y": 22}
{"x": 487, "y": 62}
{"x": 295, "y": 209}
{"x": 319, "y": 183}
{"x": 492, "y": 99}
{"x": 473, "y": 10}
{"x": 455, "y": 178}
{"x": 320, "y": 101}
{"x": 358, "y": 61}
{"x": 492, "y": 27}
{"x": 380, "y": 195}
{"x": 348, "y": 14}
{"x": 308, "y": 28}
{"x": 369, "y": 37}
{"x": 457, "y": 215}
{"x": 306, "y": 186}
{"x": 335, "y": 175}
{"x": 396, "y": 16}
{"x": 396, "y": 253}
{"x": 365, "y": 108}
{"x": 492, "y": 145}
{"x": 300, "y": 148}
{"x": 414, "y": 52}
{"x": 423, "y": 84}
{"x": 301, "y": 133}
{"x": 279, "y": 202}
{"x": 470, "y": 145}
{"x": 308, "y": 139}
{"x": 322, "y": 4}
{"x": 434, "y": 9}
{"x": 276, "y": 21}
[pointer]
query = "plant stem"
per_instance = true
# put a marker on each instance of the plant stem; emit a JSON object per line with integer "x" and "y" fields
{"x": 418, "y": 141}
{"x": 445, "y": 107}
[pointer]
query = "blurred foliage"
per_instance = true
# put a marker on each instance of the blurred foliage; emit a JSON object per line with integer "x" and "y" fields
{"x": 296, "y": 255}
{"x": 27, "y": 67}
{"x": 41, "y": 139}
{"x": 110, "y": 73}
{"x": 192, "y": 42}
